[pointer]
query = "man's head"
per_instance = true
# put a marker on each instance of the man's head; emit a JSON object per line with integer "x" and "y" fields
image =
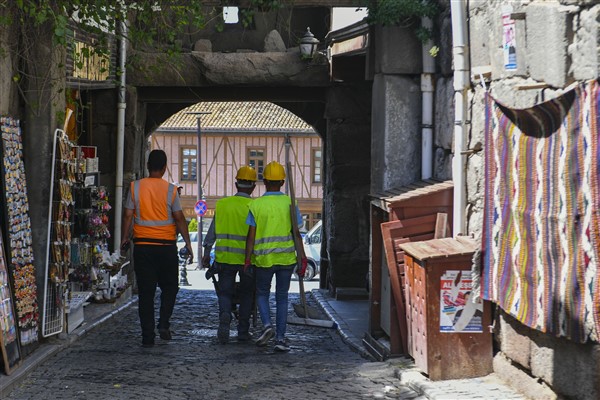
{"x": 273, "y": 176}
{"x": 157, "y": 162}
{"x": 245, "y": 179}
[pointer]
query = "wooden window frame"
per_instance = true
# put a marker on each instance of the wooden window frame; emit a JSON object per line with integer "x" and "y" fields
{"x": 249, "y": 158}
{"x": 182, "y": 160}
{"x": 313, "y": 168}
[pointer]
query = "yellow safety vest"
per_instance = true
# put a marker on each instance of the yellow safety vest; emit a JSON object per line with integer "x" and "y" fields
{"x": 274, "y": 243}
{"x": 231, "y": 229}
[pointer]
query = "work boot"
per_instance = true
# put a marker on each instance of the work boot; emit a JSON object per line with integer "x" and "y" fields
{"x": 223, "y": 331}
{"x": 244, "y": 337}
{"x": 165, "y": 334}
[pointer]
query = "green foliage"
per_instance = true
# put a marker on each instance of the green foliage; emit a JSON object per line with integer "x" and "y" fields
{"x": 153, "y": 25}
{"x": 247, "y": 14}
{"x": 193, "y": 225}
{"x": 156, "y": 23}
{"x": 403, "y": 13}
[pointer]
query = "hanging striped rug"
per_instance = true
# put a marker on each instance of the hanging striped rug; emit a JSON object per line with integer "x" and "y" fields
{"x": 541, "y": 221}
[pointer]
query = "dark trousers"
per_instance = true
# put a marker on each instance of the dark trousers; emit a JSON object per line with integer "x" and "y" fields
{"x": 156, "y": 265}
{"x": 227, "y": 274}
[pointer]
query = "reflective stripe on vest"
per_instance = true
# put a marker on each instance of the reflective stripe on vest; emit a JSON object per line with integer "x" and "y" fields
{"x": 231, "y": 229}
{"x": 153, "y": 200}
{"x": 274, "y": 243}
{"x": 169, "y": 205}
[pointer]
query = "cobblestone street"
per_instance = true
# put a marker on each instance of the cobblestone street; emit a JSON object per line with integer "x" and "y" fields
{"x": 110, "y": 363}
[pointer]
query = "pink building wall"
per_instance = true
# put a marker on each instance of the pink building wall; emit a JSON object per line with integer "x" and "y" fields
{"x": 221, "y": 156}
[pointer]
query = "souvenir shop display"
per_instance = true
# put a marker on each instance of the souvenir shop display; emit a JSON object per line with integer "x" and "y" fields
{"x": 58, "y": 261}
{"x": 80, "y": 265}
{"x": 95, "y": 269}
{"x": 9, "y": 345}
{"x": 18, "y": 229}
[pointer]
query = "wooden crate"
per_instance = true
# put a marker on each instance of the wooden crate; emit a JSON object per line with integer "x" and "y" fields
{"x": 439, "y": 353}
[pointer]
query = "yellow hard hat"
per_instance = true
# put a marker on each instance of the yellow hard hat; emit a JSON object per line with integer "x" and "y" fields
{"x": 246, "y": 173}
{"x": 274, "y": 171}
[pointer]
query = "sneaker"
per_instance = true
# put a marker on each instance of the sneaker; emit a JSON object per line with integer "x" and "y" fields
{"x": 281, "y": 345}
{"x": 165, "y": 334}
{"x": 147, "y": 343}
{"x": 264, "y": 337}
{"x": 244, "y": 337}
{"x": 223, "y": 331}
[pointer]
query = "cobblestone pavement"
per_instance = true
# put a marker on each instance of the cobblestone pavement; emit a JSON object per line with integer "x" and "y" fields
{"x": 109, "y": 363}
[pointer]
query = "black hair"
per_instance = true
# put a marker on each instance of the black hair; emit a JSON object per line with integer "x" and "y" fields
{"x": 157, "y": 160}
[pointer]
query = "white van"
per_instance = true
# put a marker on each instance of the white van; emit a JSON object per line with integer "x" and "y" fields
{"x": 312, "y": 249}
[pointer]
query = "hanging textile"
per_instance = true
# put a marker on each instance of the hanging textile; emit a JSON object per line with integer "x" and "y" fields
{"x": 541, "y": 235}
{"x": 19, "y": 231}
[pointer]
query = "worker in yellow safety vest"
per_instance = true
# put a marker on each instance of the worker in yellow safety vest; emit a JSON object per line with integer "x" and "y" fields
{"x": 153, "y": 207}
{"x": 270, "y": 248}
{"x": 228, "y": 231}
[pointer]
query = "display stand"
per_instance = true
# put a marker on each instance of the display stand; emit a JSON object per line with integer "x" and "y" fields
{"x": 60, "y": 220}
{"x": 9, "y": 343}
{"x": 19, "y": 257}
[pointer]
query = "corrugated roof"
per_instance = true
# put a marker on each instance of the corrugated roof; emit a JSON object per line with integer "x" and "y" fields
{"x": 237, "y": 116}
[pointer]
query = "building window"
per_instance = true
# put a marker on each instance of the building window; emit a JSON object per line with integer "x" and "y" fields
{"x": 188, "y": 164}
{"x": 314, "y": 218}
{"x": 256, "y": 159}
{"x": 309, "y": 220}
{"x": 316, "y": 165}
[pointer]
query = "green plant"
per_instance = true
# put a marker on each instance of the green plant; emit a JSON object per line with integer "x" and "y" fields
{"x": 154, "y": 25}
{"x": 403, "y": 13}
{"x": 193, "y": 225}
{"x": 247, "y": 14}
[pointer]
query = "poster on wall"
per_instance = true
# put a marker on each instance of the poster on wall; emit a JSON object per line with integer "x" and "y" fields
{"x": 9, "y": 345}
{"x": 458, "y": 311}
{"x": 20, "y": 253}
{"x": 509, "y": 39}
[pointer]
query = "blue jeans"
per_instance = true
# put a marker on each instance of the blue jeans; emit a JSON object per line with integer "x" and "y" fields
{"x": 283, "y": 276}
{"x": 227, "y": 274}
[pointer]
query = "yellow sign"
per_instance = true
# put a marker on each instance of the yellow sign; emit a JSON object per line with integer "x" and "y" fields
{"x": 88, "y": 64}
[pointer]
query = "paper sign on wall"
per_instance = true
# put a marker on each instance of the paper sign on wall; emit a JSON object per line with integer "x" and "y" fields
{"x": 458, "y": 311}
{"x": 509, "y": 39}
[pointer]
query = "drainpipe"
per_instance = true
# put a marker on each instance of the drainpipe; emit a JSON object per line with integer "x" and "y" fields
{"x": 120, "y": 138}
{"x": 427, "y": 106}
{"x": 461, "y": 87}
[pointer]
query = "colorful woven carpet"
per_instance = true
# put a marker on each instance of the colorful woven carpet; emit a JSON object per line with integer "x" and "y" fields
{"x": 541, "y": 227}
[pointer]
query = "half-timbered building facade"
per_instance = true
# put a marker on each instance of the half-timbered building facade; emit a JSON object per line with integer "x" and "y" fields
{"x": 234, "y": 134}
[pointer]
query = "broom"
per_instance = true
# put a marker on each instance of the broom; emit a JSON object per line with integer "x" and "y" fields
{"x": 307, "y": 315}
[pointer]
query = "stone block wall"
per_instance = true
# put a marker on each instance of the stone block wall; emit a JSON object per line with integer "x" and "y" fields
{"x": 346, "y": 189}
{"x": 557, "y": 45}
{"x": 395, "y": 142}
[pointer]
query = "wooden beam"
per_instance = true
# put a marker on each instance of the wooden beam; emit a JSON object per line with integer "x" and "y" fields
{"x": 292, "y": 3}
{"x": 441, "y": 226}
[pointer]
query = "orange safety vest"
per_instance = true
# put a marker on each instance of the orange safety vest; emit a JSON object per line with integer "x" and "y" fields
{"x": 153, "y": 215}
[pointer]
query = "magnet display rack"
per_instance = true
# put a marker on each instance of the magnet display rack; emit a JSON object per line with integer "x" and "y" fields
{"x": 10, "y": 349}
{"x": 19, "y": 253}
{"x": 58, "y": 246}
{"x": 9, "y": 343}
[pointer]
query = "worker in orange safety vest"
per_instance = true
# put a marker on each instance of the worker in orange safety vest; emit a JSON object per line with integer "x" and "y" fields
{"x": 153, "y": 207}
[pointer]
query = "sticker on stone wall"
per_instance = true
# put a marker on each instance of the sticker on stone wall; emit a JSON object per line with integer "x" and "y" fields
{"x": 509, "y": 39}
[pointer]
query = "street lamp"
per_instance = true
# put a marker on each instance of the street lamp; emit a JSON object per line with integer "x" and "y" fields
{"x": 199, "y": 194}
{"x": 308, "y": 44}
